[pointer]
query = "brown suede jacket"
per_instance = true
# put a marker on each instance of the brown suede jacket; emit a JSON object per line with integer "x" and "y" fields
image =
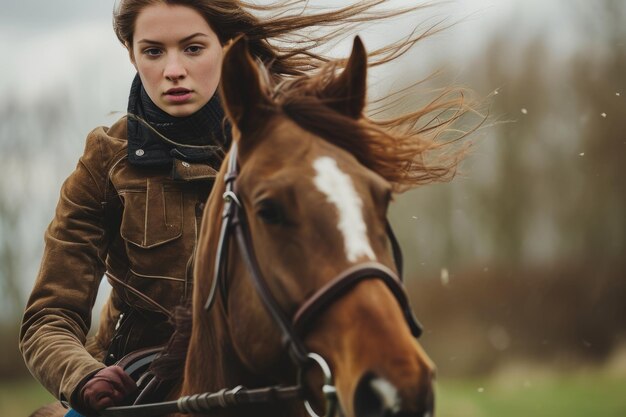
{"x": 137, "y": 226}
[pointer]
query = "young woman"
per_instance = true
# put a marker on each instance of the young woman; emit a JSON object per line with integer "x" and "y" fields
{"x": 131, "y": 209}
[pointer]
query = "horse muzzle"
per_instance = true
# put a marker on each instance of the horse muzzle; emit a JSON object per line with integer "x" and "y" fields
{"x": 375, "y": 396}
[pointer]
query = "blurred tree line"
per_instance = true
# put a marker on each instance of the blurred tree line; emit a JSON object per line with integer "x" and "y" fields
{"x": 544, "y": 181}
{"x": 523, "y": 251}
{"x": 526, "y": 248}
{"x": 36, "y": 149}
{"x": 35, "y": 153}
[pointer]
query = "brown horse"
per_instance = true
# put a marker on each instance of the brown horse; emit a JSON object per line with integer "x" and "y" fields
{"x": 308, "y": 278}
{"x": 311, "y": 191}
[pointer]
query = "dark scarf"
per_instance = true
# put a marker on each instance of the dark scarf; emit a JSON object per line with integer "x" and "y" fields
{"x": 200, "y": 137}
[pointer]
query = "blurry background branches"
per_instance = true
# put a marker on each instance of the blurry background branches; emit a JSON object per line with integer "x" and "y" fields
{"x": 520, "y": 258}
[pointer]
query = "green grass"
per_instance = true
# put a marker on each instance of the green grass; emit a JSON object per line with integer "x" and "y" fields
{"x": 552, "y": 396}
{"x": 20, "y": 398}
{"x": 525, "y": 395}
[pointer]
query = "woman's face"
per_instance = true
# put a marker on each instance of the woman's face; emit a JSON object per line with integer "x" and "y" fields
{"x": 178, "y": 57}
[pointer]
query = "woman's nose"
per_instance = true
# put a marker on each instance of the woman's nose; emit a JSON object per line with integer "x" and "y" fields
{"x": 174, "y": 69}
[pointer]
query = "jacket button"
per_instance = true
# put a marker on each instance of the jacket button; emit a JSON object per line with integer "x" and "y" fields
{"x": 186, "y": 164}
{"x": 139, "y": 152}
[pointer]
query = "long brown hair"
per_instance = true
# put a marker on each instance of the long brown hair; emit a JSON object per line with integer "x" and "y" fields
{"x": 278, "y": 37}
{"x": 286, "y": 40}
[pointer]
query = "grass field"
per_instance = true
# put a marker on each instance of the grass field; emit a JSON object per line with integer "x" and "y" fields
{"x": 555, "y": 396}
{"x": 583, "y": 394}
{"x": 20, "y": 398}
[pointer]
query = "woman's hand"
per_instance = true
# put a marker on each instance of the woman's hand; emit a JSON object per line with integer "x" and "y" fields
{"x": 107, "y": 388}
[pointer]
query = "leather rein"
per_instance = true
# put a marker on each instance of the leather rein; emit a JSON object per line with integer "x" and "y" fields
{"x": 234, "y": 222}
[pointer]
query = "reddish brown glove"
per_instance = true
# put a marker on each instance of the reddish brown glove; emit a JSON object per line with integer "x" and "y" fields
{"x": 109, "y": 387}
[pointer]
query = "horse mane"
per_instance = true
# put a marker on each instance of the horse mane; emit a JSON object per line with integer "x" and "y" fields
{"x": 406, "y": 150}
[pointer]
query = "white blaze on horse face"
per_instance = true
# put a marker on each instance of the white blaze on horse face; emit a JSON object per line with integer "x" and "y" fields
{"x": 339, "y": 190}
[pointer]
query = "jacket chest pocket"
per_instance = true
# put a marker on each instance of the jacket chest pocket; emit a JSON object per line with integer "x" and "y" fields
{"x": 152, "y": 216}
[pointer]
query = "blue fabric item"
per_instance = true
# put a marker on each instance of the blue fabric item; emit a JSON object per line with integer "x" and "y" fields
{"x": 73, "y": 413}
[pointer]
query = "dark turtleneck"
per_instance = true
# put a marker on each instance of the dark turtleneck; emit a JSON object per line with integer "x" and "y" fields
{"x": 197, "y": 138}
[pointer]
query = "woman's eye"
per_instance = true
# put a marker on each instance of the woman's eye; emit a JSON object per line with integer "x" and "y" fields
{"x": 270, "y": 212}
{"x": 194, "y": 49}
{"x": 152, "y": 52}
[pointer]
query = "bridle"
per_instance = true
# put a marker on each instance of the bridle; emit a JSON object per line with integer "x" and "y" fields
{"x": 234, "y": 222}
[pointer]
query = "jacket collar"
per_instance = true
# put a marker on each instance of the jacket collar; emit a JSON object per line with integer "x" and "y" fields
{"x": 157, "y": 139}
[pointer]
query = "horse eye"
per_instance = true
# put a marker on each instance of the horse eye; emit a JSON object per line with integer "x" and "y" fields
{"x": 270, "y": 212}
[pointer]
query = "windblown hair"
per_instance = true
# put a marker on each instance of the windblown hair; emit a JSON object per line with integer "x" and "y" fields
{"x": 406, "y": 150}
{"x": 288, "y": 36}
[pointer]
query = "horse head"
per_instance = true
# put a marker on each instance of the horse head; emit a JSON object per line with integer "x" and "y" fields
{"x": 314, "y": 200}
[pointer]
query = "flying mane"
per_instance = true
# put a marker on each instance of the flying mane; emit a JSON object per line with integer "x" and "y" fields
{"x": 404, "y": 150}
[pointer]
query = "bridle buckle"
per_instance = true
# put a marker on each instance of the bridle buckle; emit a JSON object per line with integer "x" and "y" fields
{"x": 230, "y": 197}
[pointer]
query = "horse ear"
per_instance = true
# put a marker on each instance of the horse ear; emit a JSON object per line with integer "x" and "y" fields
{"x": 242, "y": 91}
{"x": 347, "y": 93}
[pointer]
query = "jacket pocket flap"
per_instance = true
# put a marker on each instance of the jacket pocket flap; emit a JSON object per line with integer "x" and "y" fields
{"x": 152, "y": 216}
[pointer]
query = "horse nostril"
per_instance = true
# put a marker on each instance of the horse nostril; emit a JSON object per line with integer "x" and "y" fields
{"x": 375, "y": 397}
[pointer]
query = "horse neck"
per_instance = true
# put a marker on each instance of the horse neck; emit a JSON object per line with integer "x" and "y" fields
{"x": 213, "y": 364}
{"x": 210, "y": 365}
{"x": 212, "y": 361}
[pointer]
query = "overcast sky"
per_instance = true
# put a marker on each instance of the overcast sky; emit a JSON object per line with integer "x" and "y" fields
{"x": 44, "y": 15}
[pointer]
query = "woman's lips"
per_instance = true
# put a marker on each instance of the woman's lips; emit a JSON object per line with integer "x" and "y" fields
{"x": 178, "y": 95}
